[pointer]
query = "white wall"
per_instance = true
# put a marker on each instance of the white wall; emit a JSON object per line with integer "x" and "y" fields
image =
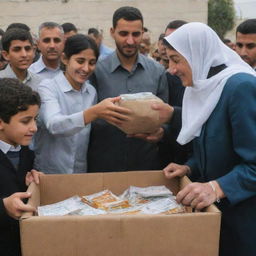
{"x": 98, "y": 13}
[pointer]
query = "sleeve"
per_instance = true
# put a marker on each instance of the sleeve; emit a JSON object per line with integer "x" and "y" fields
{"x": 3, "y": 214}
{"x": 163, "y": 90}
{"x": 240, "y": 183}
{"x": 51, "y": 113}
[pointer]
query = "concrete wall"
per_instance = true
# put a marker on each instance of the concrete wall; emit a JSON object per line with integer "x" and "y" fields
{"x": 98, "y": 13}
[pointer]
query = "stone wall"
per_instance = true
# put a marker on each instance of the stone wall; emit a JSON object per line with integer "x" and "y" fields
{"x": 98, "y": 13}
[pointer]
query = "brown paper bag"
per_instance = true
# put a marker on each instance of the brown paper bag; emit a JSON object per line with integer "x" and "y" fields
{"x": 144, "y": 118}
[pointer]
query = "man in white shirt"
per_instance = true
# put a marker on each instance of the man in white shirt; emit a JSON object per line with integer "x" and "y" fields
{"x": 51, "y": 45}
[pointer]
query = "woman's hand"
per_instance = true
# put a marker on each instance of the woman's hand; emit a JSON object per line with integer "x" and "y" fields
{"x": 176, "y": 170}
{"x": 109, "y": 111}
{"x": 197, "y": 195}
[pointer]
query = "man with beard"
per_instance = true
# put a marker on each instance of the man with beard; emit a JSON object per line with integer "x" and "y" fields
{"x": 18, "y": 50}
{"x": 246, "y": 41}
{"x": 51, "y": 45}
{"x": 125, "y": 71}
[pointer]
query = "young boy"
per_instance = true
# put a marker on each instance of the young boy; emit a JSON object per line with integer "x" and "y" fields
{"x": 18, "y": 50}
{"x": 19, "y": 107}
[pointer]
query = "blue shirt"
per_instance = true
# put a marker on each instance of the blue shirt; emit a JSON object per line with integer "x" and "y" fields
{"x": 41, "y": 70}
{"x": 62, "y": 139}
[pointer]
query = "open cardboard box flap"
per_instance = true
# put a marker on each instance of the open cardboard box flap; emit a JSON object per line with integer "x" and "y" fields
{"x": 190, "y": 234}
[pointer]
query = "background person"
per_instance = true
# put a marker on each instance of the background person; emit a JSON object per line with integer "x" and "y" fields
{"x": 246, "y": 41}
{"x": 218, "y": 114}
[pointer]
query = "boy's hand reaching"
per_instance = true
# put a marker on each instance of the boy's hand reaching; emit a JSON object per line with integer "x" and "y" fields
{"x": 33, "y": 176}
{"x": 14, "y": 205}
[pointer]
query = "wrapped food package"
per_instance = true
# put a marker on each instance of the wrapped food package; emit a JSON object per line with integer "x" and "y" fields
{"x": 144, "y": 118}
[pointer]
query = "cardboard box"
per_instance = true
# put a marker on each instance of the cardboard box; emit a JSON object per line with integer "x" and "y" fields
{"x": 189, "y": 234}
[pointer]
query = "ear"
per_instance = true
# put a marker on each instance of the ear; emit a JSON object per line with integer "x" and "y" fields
{"x": 1, "y": 124}
{"x": 112, "y": 31}
{"x": 5, "y": 54}
{"x": 64, "y": 59}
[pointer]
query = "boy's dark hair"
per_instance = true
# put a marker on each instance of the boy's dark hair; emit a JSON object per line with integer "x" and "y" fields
{"x": 15, "y": 34}
{"x": 127, "y": 13}
{"x": 67, "y": 27}
{"x": 18, "y": 25}
{"x": 78, "y": 43}
{"x": 175, "y": 24}
{"x": 15, "y": 97}
{"x": 247, "y": 27}
{"x": 93, "y": 31}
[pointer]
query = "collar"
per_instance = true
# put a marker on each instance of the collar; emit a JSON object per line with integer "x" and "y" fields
{"x": 39, "y": 66}
{"x": 5, "y": 147}
{"x": 115, "y": 63}
{"x": 65, "y": 86}
{"x": 11, "y": 74}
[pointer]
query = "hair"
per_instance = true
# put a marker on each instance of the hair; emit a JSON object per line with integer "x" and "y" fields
{"x": 67, "y": 27}
{"x": 247, "y": 27}
{"x": 175, "y": 24}
{"x": 18, "y": 25}
{"x": 93, "y": 31}
{"x": 50, "y": 25}
{"x": 78, "y": 43}
{"x": 127, "y": 13}
{"x": 15, "y": 97}
{"x": 226, "y": 40}
{"x": 167, "y": 44}
{"x": 161, "y": 37}
{"x": 15, "y": 34}
{"x": 1, "y": 32}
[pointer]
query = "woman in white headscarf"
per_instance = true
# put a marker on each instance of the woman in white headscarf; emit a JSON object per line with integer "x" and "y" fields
{"x": 219, "y": 115}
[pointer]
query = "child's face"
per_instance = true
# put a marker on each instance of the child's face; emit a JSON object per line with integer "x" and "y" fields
{"x": 20, "y": 129}
{"x": 20, "y": 55}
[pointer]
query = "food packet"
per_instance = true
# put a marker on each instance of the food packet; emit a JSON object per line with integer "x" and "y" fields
{"x": 105, "y": 200}
{"x": 143, "y": 118}
{"x": 65, "y": 207}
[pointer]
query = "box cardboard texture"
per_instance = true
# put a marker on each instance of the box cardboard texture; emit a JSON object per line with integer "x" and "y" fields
{"x": 189, "y": 234}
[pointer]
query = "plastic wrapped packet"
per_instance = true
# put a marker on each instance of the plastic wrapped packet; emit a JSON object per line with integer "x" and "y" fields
{"x": 105, "y": 200}
{"x": 137, "y": 195}
{"x": 65, "y": 207}
{"x": 88, "y": 210}
{"x": 143, "y": 119}
{"x": 164, "y": 206}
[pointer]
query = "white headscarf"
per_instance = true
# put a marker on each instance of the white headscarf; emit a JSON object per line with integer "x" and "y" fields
{"x": 203, "y": 49}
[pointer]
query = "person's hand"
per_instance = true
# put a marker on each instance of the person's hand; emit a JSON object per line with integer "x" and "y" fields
{"x": 165, "y": 111}
{"x": 149, "y": 137}
{"x": 33, "y": 176}
{"x": 173, "y": 170}
{"x": 109, "y": 111}
{"x": 197, "y": 195}
{"x": 14, "y": 205}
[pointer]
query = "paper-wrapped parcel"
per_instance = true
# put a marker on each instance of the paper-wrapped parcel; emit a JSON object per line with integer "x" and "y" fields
{"x": 144, "y": 119}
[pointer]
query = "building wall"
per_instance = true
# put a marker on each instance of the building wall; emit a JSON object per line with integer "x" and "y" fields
{"x": 98, "y": 13}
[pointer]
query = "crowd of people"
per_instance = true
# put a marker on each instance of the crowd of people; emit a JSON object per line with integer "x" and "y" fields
{"x": 58, "y": 114}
